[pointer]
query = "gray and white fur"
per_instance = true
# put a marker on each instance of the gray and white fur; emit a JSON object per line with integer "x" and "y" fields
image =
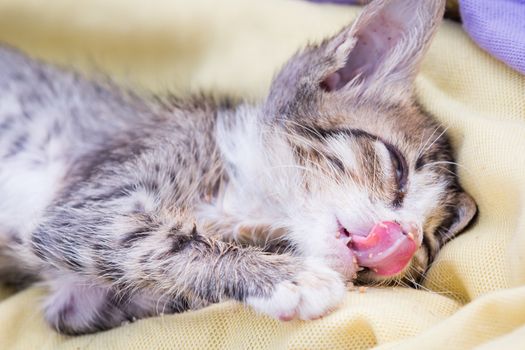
{"x": 128, "y": 207}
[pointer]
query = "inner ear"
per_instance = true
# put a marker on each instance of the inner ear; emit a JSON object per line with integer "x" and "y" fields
{"x": 385, "y": 44}
{"x": 374, "y": 41}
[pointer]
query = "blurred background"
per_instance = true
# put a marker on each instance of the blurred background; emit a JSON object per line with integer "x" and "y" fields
{"x": 170, "y": 44}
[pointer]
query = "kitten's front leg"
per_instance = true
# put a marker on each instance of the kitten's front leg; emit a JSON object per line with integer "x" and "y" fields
{"x": 162, "y": 252}
{"x": 312, "y": 293}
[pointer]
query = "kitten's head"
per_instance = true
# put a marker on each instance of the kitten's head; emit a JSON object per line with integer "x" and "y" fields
{"x": 367, "y": 159}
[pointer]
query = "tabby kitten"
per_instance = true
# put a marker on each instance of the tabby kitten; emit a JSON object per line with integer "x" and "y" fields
{"x": 128, "y": 208}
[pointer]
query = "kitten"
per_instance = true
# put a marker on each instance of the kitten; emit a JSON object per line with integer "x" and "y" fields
{"x": 128, "y": 208}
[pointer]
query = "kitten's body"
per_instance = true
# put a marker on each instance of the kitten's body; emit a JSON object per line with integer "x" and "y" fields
{"x": 128, "y": 208}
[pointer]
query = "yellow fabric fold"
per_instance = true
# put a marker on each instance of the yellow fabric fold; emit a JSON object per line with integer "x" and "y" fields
{"x": 475, "y": 291}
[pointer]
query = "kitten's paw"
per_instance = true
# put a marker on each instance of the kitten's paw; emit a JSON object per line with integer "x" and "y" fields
{"x": 314, "y": 293}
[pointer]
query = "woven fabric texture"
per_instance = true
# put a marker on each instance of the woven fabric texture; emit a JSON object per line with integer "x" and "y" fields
{"x": 475, "y": 291}
{"x": 498, "y": 27}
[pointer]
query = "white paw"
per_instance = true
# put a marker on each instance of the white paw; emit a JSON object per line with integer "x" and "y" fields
{"x": 312, "y": 294}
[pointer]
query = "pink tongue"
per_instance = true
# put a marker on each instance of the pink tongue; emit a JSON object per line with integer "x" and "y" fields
{"x": 386, "y": 250}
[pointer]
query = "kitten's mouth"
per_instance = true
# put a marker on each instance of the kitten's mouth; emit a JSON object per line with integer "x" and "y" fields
{"x": 386, "y": 249}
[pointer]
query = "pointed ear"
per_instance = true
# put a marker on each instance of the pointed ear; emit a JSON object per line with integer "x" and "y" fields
{"x": 466, "y": 211}
{"x": 380, "y": 52}
{"x": 385, "y": 45}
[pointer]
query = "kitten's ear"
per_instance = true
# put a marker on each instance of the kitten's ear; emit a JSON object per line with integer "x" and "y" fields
{"x": 466, "y": 210}
{"x": 380, "y": 52}
{"x": 385, "y": 44}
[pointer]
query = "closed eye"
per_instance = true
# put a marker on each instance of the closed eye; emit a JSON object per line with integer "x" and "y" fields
{"x": 399, "y": 165}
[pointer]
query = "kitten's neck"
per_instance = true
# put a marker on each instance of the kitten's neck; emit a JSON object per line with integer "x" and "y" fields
{"x": 253, "y": 156}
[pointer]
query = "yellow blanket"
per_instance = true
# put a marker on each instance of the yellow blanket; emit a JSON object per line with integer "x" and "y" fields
{"x": 476, "y": 288}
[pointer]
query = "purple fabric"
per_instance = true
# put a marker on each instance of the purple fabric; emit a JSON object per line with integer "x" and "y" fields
{"x": 497, "y": 26}
{"x": 347, "y": 2}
